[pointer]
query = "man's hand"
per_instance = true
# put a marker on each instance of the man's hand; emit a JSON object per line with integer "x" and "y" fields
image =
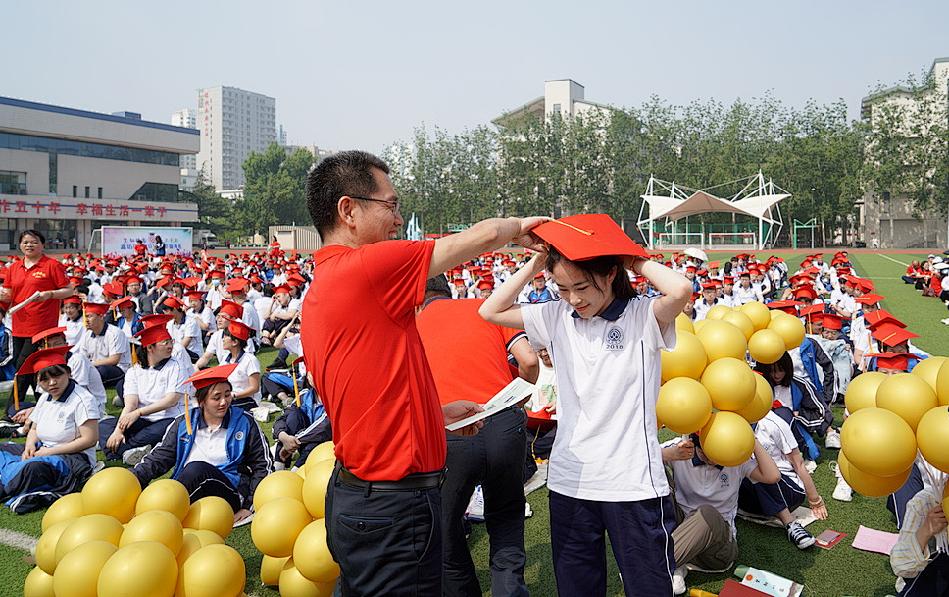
{"x": 22, "y": 415}
{"x": 460, "y": 409}
{"x": 525, "y": 238}
{"x": 115, "y": 440}
{"x": 127, "y": 419}
{"x": 290, "y": 442}
{"x": 684, "y": 450}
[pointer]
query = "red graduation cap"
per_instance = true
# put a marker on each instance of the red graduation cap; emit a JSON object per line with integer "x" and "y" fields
{"x": 880, "y": 317}
{"x": 72, "y": 300}
{"x": 41, "y": 359}
{"x": 152, "y": 335}
{"x": 96, "y": 308}
{"x": 282, "y": 289}
{"x": 869, "y": 299}
{"x": 832, "y": 321}
{"x": 237, "y": 285}
{"x": 812, "y": 309}
{"x": 458, "y": 282}
{"x": 892, "y": 360}
{"x": 211, "y": 375}
{"x": 47, "y": 334}
{"x": 231, "y": 309}
{"x": 728, "y": 280}
{"x": 485, "y": 285}
{"x": 806, "y": 292}
{"x": 891, "y": 334}
{"x": 238, "y": 329}
{"x": 539, "y": 276}
{"x": 586, "y": 236}
{"x": 159, "y": 319}
{"x": 173, "y": 302}
{"x": 789, "y": 307}
{"x": 709, "y": 286}
{"x": 195, "y": 295}
{"x": 123, "y": 302}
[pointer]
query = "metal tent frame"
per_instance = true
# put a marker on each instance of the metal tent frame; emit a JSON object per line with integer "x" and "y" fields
{"x": 758, "y": 198}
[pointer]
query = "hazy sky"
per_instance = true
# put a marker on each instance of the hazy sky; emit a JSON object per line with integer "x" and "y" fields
{"x": 364, "y": 74}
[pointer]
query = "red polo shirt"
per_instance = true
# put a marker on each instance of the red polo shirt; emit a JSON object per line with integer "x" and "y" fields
{"x": 360, "y": 341}
{"x": 468, "y": 355}
{"x": 46, "y": 274}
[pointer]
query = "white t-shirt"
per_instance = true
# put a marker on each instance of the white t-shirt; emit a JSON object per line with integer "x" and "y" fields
{"x": 209, "y": 446}
{"x": 188, "y": 328}
{"x": 151, "y": 385}
{"x": 250, "y": 317}
{"x": 706, "y": 484}
{"x": 776, "y": 437}
{"x": 207, "y": 317}
{"x": 58, "y": 421}
{"x": 247, "y": 365}
{"x": 783, "y": 395}
{"x": 87, "y": 376}
{"x": 111, "y": 342}
{"x": 608, "y": 375}
{"x": 74, "y": 329}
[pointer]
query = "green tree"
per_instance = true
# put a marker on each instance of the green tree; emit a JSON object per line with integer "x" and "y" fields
{"x": 215, "y": 212}
{"x": 274, "y": 189}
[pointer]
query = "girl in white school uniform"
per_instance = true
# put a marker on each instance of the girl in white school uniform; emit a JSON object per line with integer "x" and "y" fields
{"x": 245, "y": 378}
{"x": 606, "y": 474}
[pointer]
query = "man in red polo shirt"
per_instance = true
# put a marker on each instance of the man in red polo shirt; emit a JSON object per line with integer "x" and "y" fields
{"x": 366, "y": 357}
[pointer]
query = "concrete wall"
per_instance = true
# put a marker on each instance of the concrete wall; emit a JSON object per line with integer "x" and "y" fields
{"x": 118, "y": 179}
{"x": 893, "y": 224}
{"x": 34, "y": 163}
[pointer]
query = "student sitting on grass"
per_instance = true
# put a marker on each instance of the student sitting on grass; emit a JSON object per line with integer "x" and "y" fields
{"x": 922, "y": 570}
{"x": 60, "y": 451}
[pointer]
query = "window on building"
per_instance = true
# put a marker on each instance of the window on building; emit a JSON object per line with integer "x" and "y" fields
{"x": 60, "y": 234}
{"x": 53, "y": 165}
{"x": 75, "y": 191}
{"x": 87, "y": 192}
{"x": 100, "y": 193}
{"x": 84, "y": 149}
{"x": 556, "y": 108}
{"x": 12, "y": 183}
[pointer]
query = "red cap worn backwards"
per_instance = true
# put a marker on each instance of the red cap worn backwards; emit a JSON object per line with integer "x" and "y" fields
{"x": 41, "y": 359}
{"x": 587, "y": 236}
{"x": 210, "y": 376}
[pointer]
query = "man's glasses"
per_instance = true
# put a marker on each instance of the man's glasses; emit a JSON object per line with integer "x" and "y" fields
{"x": 392, "y": 205}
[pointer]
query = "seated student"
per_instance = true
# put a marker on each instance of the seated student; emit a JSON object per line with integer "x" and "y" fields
{"x": 81, "y": 370}
{"x": 228, "y": 311}
{"x": 135, "y": 288}
{"x": 782, "y": 498}
{"x": 922, "y": 570}
{"x": 153, "y": 398}
{"x": 202, "y": 314}
{"x": 283, "y": 310}
{"x": 178, "y": 353}
{"x": 72, "y": 319}
{"x": 59, "y": 452}
{"x": 105, "y": 345}
{"x": 215, "y": 449}
{"x": 128, "y": 319}
{"x": 302, "y": 426}
{"x": 708, "y": 300}
{"x": 706, "y": 496}
{"x": 245, "y": 378}
{"x": 893, "y": 338}
{"x": 237, "y": 287}
{"x": 539, "y": 293}
{"x": 287, "y": 342}
{"x": 183, "y": 328}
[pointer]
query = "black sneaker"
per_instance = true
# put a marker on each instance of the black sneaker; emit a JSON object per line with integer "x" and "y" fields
{"x": 799, "y": 536}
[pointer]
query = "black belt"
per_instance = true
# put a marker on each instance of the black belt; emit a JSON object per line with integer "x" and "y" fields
{"x": 407, "y": 483}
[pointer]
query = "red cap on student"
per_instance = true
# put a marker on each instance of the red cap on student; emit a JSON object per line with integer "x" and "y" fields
{"x": 832, "y": 321}
{"x": 173, "y": 302}
{"x": 231, "y": 309}
{"x": 72, "y": 300}
{"x": 880, "y": 317}
{"x": 195, "y": 295}
{"x": 805, "y": 292}
{"x": 891, "y": 335}
{"x": 96, "y": 308}
{"x": 869, "y": 299}
{"x": 282, "y": 289}
{"x": 156, "y": 319}
{"x": 41, "y": 359}
{"x": 152, "y": 335}
{"x": 892, "y": 360}
{"x": 238, "y": 329}
{"x": 122, "y": 303}
{"x": 789, "y": 307}
{"x": 586, "y": 236}
{"x": 47, "y": 334}
{"x": 812, "y": 309}
{"x": 211, "y": 375}
{"x": 485, "y": 285}
{"x": 238, "y": 285}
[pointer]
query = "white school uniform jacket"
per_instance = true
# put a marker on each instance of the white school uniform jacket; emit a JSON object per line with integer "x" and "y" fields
{"x": 58, "y": 421}
{"x": 608, "y": 375}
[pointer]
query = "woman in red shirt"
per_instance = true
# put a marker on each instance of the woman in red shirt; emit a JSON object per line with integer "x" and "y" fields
{"x": 34, "y": 273}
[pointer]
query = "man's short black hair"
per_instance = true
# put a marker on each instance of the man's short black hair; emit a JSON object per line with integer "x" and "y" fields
{"x": 343, "y": 173}
{"x": 437, "y": 285}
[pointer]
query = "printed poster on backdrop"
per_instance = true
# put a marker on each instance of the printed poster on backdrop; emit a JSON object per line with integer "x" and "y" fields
{"x": 121, "y": 240}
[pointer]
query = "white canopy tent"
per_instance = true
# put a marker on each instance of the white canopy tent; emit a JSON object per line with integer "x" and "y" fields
{"x": 758, "y": 199}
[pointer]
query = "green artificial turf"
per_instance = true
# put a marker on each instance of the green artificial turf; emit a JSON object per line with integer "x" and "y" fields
{"x": 840, "y": 571}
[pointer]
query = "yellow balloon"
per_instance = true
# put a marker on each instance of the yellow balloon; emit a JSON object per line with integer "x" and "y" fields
{"x": 312, "y": 557}
{"x": 945, "y": 498}
{"x": 324, "y": 451}
{"x": 730, "y": 382}
{"x": 270, "y": 569}
{"x": 154, "y": 525}
{"x": 294, "y": 584}
{"x": 205, "y": 536}
{"x": 760, "y": 405}
{"x": 766, "y": 346}
{"x": 684, "y": 323}
{"x": 45, "y": 553}
{"x": 684, "y": 405}
{"x": 721, "y": 340}
{"x": 688, "y": 359}
{"x": 740, "y": 321}
{"x": 758, "y": 313}
{"x": 211, "y": 513}
{"x": 276, "y": 485}
{"x": 314, "y": 488}
{"x": 775, "y": 313}
{"x": 698, "y": 325}
{"x": 143, "y": 569}
{"x": 942, "y": 383}
{"x": 111, "y": 491}
{"x": 301, "y": 472}
{"x": 867, "y": 484}
{"x": 933, "y": 435}
{"x": 165, "y": 494}
{"x": 928, "y": 369}
{"x": 38, "y": 584}
{"x": 878, "y": 442}
{"x": 67, "y": 507}
{"x": 717, "y": 312}
{"x": 92, "y": 527}
{"x": 790, "y": 328}
{"x": 190, "y": 543}
{"x": 277, "y": 524}
{"x": 862, "y": 391}
{"x": 77, "y": 574}
{"x": 727, "y": 439}
{"x": 907, "y": 395}
{"x": 212, "y": 571}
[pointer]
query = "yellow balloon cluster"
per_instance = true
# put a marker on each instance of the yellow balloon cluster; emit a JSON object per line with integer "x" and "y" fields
{"x": 290, "y": 531}
{"x": 891, "y": 416}
{"x": 708, "y": 386}
{"x": 114, "y": 539}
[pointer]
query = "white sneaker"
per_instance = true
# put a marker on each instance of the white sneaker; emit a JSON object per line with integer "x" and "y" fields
{"x": 810, "y": 465}
{"x": 475, "y": 510}
{"x": 842, "y": 491}
{"x": 832, "y": 439}
{"x": 944, "y": 321}
{"x": 678, "y": 581}
{"x": 135, "y": 455}
{"x": 100, "y": 464}
{"x": 527, "y": 510}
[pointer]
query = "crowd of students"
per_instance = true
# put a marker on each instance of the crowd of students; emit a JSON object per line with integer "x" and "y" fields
{"x": 178, "y": 339}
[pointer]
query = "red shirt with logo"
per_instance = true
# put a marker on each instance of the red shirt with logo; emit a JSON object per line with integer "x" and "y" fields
{"x": 46, "y": 274}
{"x": 366, "y": 357}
